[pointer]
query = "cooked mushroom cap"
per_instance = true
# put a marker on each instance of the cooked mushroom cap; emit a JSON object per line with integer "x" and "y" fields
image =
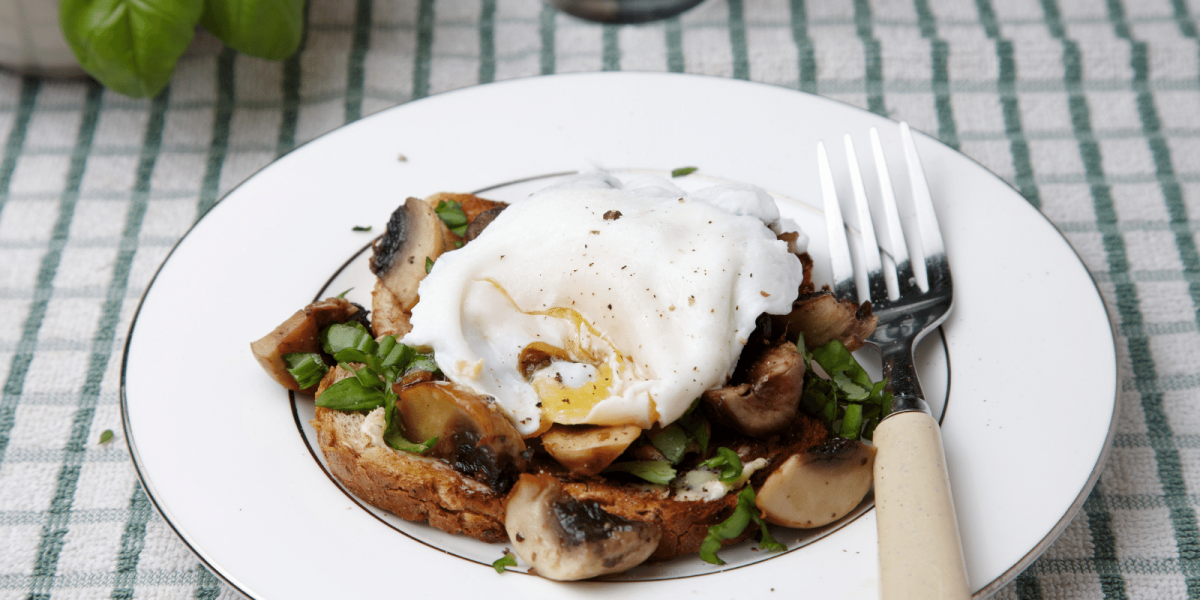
{"x": 300, "y": 333}
{"x": 768, "y": 402}
{"x": 588, "y": 449}
{"x": 818, "y": 486}
{"x": 821, "y": 317}
{"x": 568, "y": 539}
{"x": 472, "y": 434}
{"x": 480, "y": 222}
{"x": 414, "y": 233}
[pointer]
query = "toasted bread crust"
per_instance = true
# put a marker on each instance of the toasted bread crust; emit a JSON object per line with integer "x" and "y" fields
{"x": 414, "y": 488}
{"x": 426, "y": 490}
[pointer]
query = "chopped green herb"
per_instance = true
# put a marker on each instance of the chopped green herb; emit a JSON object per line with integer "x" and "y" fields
{"x": 508, "y": 560}
{"x": 681, "y": 171}
{"x": 428, "y": 265}
{"x": 343, "y": 294}
{"x": 727, "y": 462}
{"x": 351, "y": 394}
{"x": 732, "y": 527}
{"x": 351, "y": 335}
{"x": 452, "y": 215}
{"x": 362, "y": 228}
{"x": 423, "y": 362}
{"x": 307, "y": 368}
{"x": 654, "y": 471}
{"x": 849, "y": 402}
{"x": 673, "y": 442}
{"x": 697, "y": 426}
{"x": 106, "y": 435}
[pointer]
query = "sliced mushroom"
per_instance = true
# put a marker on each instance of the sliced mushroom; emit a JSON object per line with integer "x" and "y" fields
{"x": 300, "y": 333}
{"x": 568, "y": 539}
{"x": 588, "y": 449}
{"x": 414, "y": 233}
{"x": 818, "y": 486}
{"x": 821, "y": 317}
{"x": 473, "y": 435}
{"x": 768, "y": 401}
{"x": 477, "y": 225}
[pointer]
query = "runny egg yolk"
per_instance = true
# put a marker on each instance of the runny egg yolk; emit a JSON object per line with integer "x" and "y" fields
{"x": 570, "y": 400}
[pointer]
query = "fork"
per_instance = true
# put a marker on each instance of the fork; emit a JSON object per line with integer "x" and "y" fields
{"x": 920, "y": 554}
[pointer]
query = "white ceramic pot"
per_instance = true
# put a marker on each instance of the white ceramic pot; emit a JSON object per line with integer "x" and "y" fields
{"x": 31, "y": 41}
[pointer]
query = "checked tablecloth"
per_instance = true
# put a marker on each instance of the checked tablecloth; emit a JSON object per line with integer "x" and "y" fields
{"x": 1090, "y": 108}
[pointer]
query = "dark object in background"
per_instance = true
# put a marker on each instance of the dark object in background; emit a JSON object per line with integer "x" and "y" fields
{"x": 623, "y": 11}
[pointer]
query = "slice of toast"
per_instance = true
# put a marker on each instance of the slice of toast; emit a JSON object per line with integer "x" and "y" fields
{"x": 422, "y": 489}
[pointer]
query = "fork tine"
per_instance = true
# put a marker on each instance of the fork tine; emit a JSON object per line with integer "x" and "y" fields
{"x": 839, "y": 248}
{"x": 876, "y": 284}
{"x": 897, "y": 251}
{"x": 937, "y": 269}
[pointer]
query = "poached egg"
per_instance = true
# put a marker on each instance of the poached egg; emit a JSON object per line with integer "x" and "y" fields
{"x": 601, "y": 302}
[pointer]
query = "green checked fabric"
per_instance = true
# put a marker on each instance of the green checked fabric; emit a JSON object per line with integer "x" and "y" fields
{"x": 1091, "y": 108}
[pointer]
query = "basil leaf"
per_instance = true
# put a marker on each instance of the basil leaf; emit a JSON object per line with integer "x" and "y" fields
{"x": 367, "y": 377}
{"x": 732, "y": 527}
{"x": 401, "y": 443}
{"x": 696, "y": 424}
{"x": 849, "y": 395}
{"x": 396, "y": 355}
{"x": 423, "y": 362}
{"x": 728, "y": 529}
{"x": 130, "y": 46}
{"x": 727, "y": 462}
{"x": 852, "y": 421}
{"x": 269, "y": 29}
{"x": 352, "y": 334}
{"x": 453, "y": 216}
{"x": 673, "y": 442}
{"x": 350, "y": 394}
{"x": 508, "y": 560}
{"x": 307, "y": 368}
{"x": 654, "y": 471}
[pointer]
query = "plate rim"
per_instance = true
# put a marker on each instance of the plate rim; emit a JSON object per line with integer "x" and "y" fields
{"x": 984, "y": 592}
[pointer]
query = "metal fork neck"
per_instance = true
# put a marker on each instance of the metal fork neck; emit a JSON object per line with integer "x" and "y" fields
{"x": 902, "y": 378}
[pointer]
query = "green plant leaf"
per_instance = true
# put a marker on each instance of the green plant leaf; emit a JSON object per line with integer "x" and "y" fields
{"x": 727, "y": 462}
{"x": 350, "y": 394}
{"x": 654, "y": 471}
{"x": 130, "y": 46}
{"x": 269, "y": 29}
{"x": 672, "y": 442}
{"x": 508, "y": 560}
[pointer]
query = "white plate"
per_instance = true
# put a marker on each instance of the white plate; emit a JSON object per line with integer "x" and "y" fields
{"x": 216, "y": 444}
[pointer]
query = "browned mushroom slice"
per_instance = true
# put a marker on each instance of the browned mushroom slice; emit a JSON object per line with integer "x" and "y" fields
{"x": 300, "y": 333}
{"x": 473, "y": 435}
{"x": 818, "y": 486}
{"x": 480, "y": 222}
{"x": 414, "y": 235}
{"x": 588, "y": 449}
{"x": 568, "y": 539}
{"x": 821, "y": 317}
{"x": 768, "y": 401}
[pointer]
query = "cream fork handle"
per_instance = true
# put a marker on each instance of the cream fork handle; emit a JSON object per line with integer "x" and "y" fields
{"x": 920, "y": 555}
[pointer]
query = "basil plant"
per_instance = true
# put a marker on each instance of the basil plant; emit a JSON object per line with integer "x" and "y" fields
{"x": 131, "y": 46}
